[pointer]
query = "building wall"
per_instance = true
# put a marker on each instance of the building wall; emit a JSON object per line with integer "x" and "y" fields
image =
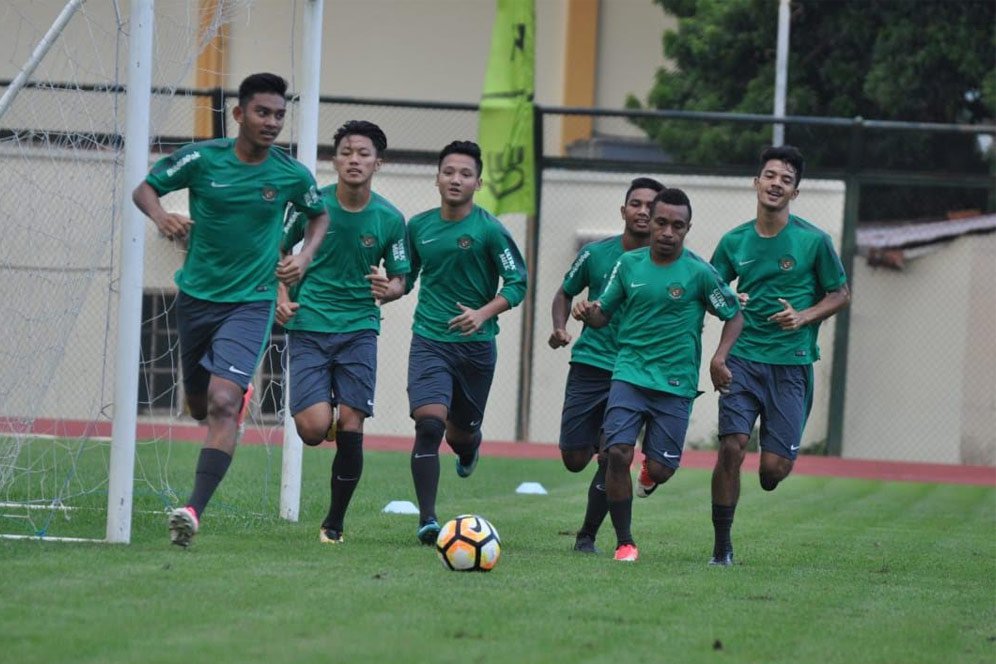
{"x": 921, "y": 382}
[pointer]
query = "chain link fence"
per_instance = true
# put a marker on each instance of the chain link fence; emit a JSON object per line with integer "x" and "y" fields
{"x": 907, "y": 372}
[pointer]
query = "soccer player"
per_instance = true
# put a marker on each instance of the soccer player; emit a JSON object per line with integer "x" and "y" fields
{"x": 594, "y": 353}
{"x": 461, "y": 252}
{"x": 239, "y": 190}
{"x": 333, "y": 315}
{"x": 662, "y": 293}
{"x": 789, "y": 278}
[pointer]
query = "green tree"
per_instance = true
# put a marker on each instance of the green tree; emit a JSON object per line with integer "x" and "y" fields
{"x": 909, "y": 60}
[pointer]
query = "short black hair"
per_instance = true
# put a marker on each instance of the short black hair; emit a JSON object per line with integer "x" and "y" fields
{"x": 361, "y": 128}
{"x": 263, "y": 83}
{"x": 787, "y": 153}
{"x": 673, "y": 196}
{"x": 469, "y": 148}
{"x": 643, "y": 183}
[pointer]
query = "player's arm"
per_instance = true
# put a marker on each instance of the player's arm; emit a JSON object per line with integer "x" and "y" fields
{"x": 397, "y": 265}
{"x": 790, "y": 319}
{"x": 560, "y": 310}
{"x": 286, "y": 308}
{"x": 170, "y": 224}
{"x": 591, "y": 313}
{"x": 385, "y": 288}
{"x": 292, "y": 267}
{"x": 722, "y": 302}
{"x": 512, "y": 270}
{"x": 718, "y": 371}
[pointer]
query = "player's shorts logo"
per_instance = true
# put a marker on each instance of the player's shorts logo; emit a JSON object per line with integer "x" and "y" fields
{"x": 465, "y": 241}
{"x": 269, "y": 193}
{"x": 786, "y": 263}
{"x": 675, "y": 291}
{"x": 368, "y": 240}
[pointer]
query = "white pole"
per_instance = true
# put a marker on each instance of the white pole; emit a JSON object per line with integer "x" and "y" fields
{"x": 307, "y": 154}
{"x": 122, "y": 463}
{"x": 781, "y": 70}
{"x": 38, "y": 54}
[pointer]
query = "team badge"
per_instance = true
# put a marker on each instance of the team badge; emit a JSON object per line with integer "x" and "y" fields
{"x": 786, "y": 263}
{"x": 368, "y": 240}
{"x": 675, "y": 291}
{"x": 269, "y": 193}
{"x": 465, "y": 241}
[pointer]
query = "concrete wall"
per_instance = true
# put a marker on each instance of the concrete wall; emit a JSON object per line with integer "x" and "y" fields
{"x": 921, "y": 380}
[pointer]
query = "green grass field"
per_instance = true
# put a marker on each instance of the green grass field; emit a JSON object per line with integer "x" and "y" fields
{"x": 830, "y": 570}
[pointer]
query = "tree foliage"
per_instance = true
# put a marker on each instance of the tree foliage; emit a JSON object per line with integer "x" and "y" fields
{"x": 909, "y": 60}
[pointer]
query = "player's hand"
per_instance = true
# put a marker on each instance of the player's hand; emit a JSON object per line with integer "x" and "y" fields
{"x": 174, "y": 226}
{"x": 379, "y": 283}
{"x": 721, "y": 375}
{"x": 559, "y": 338}
{"x": 291, "y": 268}
{"x": 788, "y": 318}
{"x": 744, "y": 299}
{"x": 286, "y": 311}
{"x": 468, "y": 322}
{"x": 581, "y": 309}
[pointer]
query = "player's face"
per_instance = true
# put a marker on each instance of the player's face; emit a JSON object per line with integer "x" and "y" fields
{"x": 776, "y": 185}
{"x": 262, "y": 118}
{"x": 669, "y": 226}
{"x": 458, "y": 179}
{"x": 636, "y": 213}
{"x": 356, "y": 160}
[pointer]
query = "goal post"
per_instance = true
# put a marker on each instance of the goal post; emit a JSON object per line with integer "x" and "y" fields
{"x": 121, "y": 479}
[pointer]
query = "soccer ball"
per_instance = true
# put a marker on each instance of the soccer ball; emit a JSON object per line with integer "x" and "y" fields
{"x": 469, "y": 543}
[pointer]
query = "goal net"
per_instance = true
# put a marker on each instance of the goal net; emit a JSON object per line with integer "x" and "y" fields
{"x": 61, "y": 178}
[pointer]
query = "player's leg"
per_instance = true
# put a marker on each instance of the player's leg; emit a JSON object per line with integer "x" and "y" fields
{"x": 196, "y": 322}
{"x": 473, "y": 367}
{"x": 354, "y": 375}
{"x": 788, "y": 401}
{"x": 430, "y": 389}
{"x": 310, "y": 384}
{"x": 738, "y": 410}
{"x": 585, "y": 396}
{"x": 237, "y": 344}
{"x": 624, "y": 417}
{"x": 664, "y": 439}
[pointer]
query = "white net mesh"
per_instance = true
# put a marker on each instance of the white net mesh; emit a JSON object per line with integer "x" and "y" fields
{"x": 61, "y": 150}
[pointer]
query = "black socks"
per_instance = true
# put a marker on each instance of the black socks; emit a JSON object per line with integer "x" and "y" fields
{"x": 347, "y": 467}
{"x": 425, "y": 464}
{"x": 211, "y": 468}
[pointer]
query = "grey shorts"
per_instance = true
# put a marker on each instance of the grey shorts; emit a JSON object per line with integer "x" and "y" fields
{"x": 224, "y": 339}
{"x": 585, "y": 397}
{"x": 665, "y": 416}
{"x": 454, "y": 374}
{"x": 333, "y": 368}
{"x": 780, "y": 394}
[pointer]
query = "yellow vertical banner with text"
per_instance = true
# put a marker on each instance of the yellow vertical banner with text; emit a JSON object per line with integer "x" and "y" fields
{"x": 505, "y": 122}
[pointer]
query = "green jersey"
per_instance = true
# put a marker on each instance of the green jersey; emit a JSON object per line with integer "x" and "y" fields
{"x": 595, "y": 347}
{"x": 461, "y": 262}
{"x": 660, "y": 334}
{"x": 335, "y": 294}
{"x": 799, "y": 265}
{"x": 238, "y": 213}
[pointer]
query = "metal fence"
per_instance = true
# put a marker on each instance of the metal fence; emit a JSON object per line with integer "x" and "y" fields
{"x": 577, "y": 185}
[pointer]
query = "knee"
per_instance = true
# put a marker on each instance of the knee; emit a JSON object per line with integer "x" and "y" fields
{"x": 659, "y": 472}
{"x": 311, "y": 437}
{"x": 620, "y": 456}
{"x": 732, "y": 450}
{"x": 771, "y": 474}
{"x": 224, "y": 404}
{"x": 575, "y": 460}
{"x": 429, "y": 432}
{"x": 350, "y": 419}
{"x": 197, "y": 406}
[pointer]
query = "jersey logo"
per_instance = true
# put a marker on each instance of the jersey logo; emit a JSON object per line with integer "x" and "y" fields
{"x": 269, "y": 193}
{"x": 465, "y": 241}
{"x": 675, "y": 291}
{"x": 747, "y": 262}
{"x": 786, "y": 263}
{"x": 368, "y": 240}
{"x": 218, "y": 185}
{"x": 186, "y": 159}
